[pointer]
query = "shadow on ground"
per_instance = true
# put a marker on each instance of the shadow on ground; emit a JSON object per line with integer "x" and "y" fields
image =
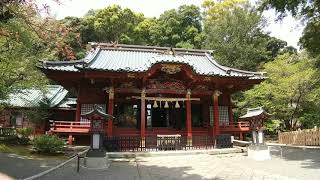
{"x": 310, "y": 158}
{"x": 22, "y": 167}
{"x": 126, "y": 171}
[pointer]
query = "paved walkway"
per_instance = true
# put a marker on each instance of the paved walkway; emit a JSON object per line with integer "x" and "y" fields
{"x": 21, "y": 166}
{"x": 295, "y": 164}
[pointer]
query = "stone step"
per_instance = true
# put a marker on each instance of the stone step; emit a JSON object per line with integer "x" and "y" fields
{"x": 128, "y": 155}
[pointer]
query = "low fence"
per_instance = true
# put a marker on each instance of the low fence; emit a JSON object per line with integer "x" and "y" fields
{"x": 154, "y": 143}
{"x": 307, "y": 137}
{"x": 7, "y": 133}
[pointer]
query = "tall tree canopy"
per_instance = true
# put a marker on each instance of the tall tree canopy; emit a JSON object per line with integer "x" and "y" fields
{"x": 180, "y": 28}
{"x": 26, "y": 38}
{"x": 290, "y": 93}
{"x": 20, "y": 48}
{"x": 308, "y": 11}
{"x": 234, "y": 30}
{"x": 174, "y": 28}
{"x": 114, "y": 24}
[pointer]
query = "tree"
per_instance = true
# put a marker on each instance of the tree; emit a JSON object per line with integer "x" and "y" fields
{"x": 308, "y": 11}
{"x": 180, "y": 28}
{"x": 147, "y": 32}
{"x": 20, "y": 50}
{"x": 115, "y": 24}
{"x": 174, "y": 28}
{"x": 25, "y": 38}
{"x": 275, "y": 46}
{"x": 296, "y": 8}
{"x": 290, "y": 94}
{"x": 73, "y": 26}
{"x": 310, "y": 39}
{"x": 235, "y": 32}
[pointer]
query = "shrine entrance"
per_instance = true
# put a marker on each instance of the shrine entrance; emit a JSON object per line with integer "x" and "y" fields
{"x": 171, "y": 117}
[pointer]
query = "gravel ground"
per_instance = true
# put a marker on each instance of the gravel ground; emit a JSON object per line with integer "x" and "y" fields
{"x": 294, "y": 164}
{"x": 19, "y": 167}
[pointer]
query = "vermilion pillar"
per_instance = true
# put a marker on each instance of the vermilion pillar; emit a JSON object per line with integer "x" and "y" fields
{"x": 189, "y": 123}
{"x": 110, "y": 110}
{"x": 143, "y": 114}
{"x": 230, "y": 109}
{"x": 216, "y": 130}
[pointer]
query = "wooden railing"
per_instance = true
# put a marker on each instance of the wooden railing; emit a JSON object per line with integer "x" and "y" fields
{"x": 236, "y": 126}
{"x": 69, "y": 126}
{"x": 83, "y": 127}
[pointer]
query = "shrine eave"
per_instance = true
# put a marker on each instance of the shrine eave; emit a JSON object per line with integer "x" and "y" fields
{"x": 255, "y": 113}
{"x": 97, "y": 111}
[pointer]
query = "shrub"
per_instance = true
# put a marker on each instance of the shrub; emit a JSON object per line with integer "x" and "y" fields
{"x": 48, "y": 144}
{"x": 24, "y": 134}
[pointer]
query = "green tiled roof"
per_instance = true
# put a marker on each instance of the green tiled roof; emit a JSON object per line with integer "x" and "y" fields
{"x": 32, "y": 97}
{"x": 67, "y": 103}
{"x": 132, "y": 58}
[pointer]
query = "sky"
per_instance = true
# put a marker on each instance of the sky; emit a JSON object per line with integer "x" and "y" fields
{"x": 288, "y": 29}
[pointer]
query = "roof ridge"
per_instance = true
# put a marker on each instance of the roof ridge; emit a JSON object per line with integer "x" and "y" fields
{"x": 145, "y": 48}
{"x": 62, "y": 62}
{"x": 245, "y": 71}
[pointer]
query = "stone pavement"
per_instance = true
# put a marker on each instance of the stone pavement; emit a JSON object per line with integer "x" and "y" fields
{"x": 21, "y": 166}
{"x": 295, "y": 164}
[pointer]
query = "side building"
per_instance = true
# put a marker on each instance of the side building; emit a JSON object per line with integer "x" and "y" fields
{"x": 60, "y": 107}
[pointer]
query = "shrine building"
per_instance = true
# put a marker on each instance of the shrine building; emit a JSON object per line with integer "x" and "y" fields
{"x": 151, "y": 91}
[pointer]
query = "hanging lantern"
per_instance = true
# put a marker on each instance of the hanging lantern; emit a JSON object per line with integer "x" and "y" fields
{"x": 166, "y": 105}
{"x": 155, "y": 105}
{"x": 177, "y": 105}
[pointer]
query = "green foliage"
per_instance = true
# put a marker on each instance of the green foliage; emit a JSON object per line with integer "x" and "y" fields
{"x": 24, "y": 134}
{"x": 296, "y": 8}
{"x": 311, "y": 37}
{"x": 180, "y": 28}
{"x": 48, "y": 144}
{"x": 111, "y": 24}
{"x": 274, "y": 46}
{"x": 308, "y": 11}
{"x": 234, "y": 30}
{"x": 289, "y": 93}
{"x": 174, "y": 28}
{"x": 20, "y": 51}
{"x": 272, "y": 126}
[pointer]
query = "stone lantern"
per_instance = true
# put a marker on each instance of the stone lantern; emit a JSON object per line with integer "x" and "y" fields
{"x": 96, "y": 156}
{"x": 97, "y": 126}
{"x": 257, "y": 118}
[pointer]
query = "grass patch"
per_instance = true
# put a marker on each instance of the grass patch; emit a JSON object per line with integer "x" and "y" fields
{"x": 5, "y": 149}
{"x": 27, "y": 152}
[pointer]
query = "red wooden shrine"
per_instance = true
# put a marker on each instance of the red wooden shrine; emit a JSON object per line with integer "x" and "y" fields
{"x": 152, "y": 90}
